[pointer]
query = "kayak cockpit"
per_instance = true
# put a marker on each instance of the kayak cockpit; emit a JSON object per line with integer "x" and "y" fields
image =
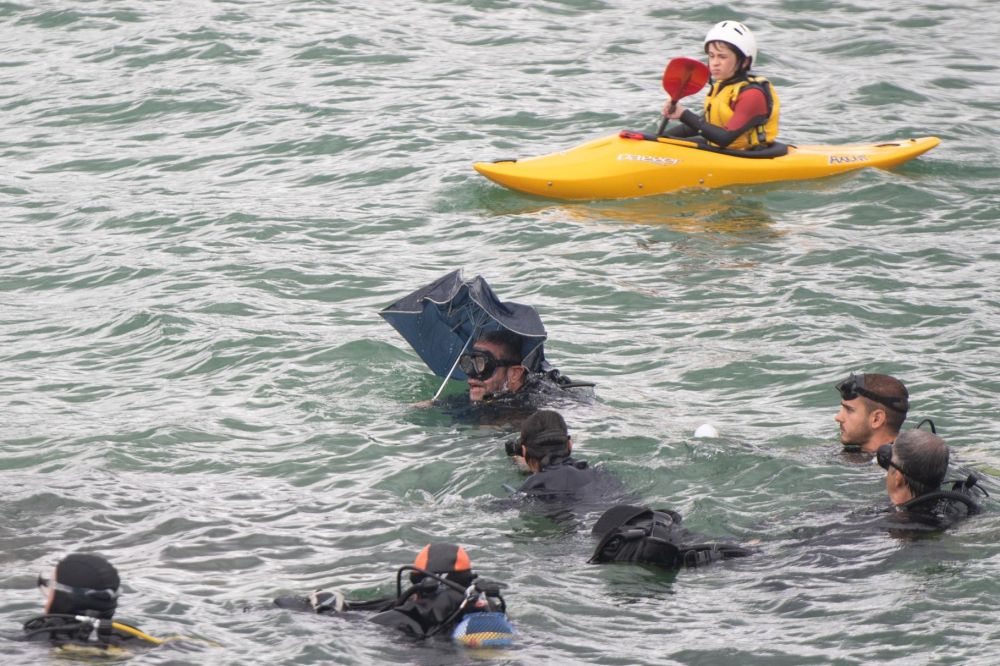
{"x": 776, "y": 149}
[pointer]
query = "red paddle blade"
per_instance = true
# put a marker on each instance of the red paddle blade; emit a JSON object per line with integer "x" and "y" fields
{"x": 684, "y": 76}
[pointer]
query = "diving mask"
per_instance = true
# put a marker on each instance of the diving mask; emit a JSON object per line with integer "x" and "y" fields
{"x": 884, "y": 459}
{"x": 47, "y": 585}
{"x": 481, "y": 364}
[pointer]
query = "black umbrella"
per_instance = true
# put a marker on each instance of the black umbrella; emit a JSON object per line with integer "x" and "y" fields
{"x": 441, "y": 320}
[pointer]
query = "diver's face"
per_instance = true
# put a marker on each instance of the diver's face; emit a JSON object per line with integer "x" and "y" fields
{"x": 854, "y": 421}
{"x": 896, "y": 484}
{"x": 495, "y": 383}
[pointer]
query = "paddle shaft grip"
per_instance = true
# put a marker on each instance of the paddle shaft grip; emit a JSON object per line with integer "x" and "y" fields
{"x": 663, "y": 123}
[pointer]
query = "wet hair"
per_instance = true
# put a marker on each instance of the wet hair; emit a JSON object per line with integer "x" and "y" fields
{"x": 924, "y": 457}
{"x": 510, "y": 344}
{"x": 545, "y": 437}
{"x": 95, "y": 582}
{"x": 889, "y": 387}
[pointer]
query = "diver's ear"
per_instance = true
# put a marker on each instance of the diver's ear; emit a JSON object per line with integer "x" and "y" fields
{"x": 569, "y": 444}
{"x": 894, "y": 480}
{"x": 876, "y": 419}
{"x": 515, "y": 376}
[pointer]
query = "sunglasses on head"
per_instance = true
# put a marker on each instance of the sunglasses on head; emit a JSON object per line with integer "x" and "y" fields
{"x": 481, "y": 364}
{"x": 854, "y": 387}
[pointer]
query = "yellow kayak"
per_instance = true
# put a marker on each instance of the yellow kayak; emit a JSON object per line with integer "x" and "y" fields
{"x": 630, "y": 164}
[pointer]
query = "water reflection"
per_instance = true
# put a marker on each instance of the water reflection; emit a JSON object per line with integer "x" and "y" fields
{"x": 690, "y": 212}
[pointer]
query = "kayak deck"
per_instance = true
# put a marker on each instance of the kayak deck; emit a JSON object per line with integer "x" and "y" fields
{"x": 634, "y": 165}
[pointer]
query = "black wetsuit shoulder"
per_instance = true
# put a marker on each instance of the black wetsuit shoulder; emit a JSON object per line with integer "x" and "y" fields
{"x": 541, "y": 388}
{"x": 566, "y": 477}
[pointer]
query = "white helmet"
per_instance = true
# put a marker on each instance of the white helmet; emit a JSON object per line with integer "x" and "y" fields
{"x": 736, "y": 34}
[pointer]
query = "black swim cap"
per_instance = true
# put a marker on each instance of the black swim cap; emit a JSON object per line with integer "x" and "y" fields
{"x": 545, "y": 431}
{"x": 92, "y": 584}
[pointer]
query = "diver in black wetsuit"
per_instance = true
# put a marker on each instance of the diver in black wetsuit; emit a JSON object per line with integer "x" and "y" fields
{"x": 495, "y": 371}
{"x": 915, "y": 466}
{"x": 444, "y": 596}
{"x": 81, "y": 599}
{"x": 546, "y": 446}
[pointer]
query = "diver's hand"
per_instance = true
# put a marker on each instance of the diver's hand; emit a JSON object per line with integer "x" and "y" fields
{"x": 422, "y": 404}
{"x": 327, "y": 602}
{"x": 521, "y": 463}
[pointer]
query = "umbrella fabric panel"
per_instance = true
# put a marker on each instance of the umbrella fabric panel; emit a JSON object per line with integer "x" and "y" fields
{"x": 439, "y": 319}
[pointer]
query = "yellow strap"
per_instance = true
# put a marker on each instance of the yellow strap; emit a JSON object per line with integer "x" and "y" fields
{"x": 135, "y": 632}
{"x": 160, "y": 641}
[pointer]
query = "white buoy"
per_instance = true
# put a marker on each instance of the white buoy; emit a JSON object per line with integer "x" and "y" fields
{"x": 706, "y": 430}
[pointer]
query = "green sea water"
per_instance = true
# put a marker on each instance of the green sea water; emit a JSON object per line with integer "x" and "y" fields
{"x": 203, "y": 206}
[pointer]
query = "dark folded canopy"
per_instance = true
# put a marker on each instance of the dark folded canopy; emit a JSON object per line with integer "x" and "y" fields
{"x": 445, "y": 317}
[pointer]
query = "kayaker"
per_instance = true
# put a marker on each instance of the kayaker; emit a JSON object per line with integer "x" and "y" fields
{"x": 741, "y": 109}
{"x": 915, "y": 466}
{"x": 546, "y": 446}
{"x": 872, "y": 410}
{"x": 443, "y": 592}
{"x": 81, "y": 596}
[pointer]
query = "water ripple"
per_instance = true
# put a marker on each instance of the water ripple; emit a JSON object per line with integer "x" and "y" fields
{"x": 206, "y": 206}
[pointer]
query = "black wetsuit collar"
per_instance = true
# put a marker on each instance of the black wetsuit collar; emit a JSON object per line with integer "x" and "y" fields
{"x": 556, "y": 461}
